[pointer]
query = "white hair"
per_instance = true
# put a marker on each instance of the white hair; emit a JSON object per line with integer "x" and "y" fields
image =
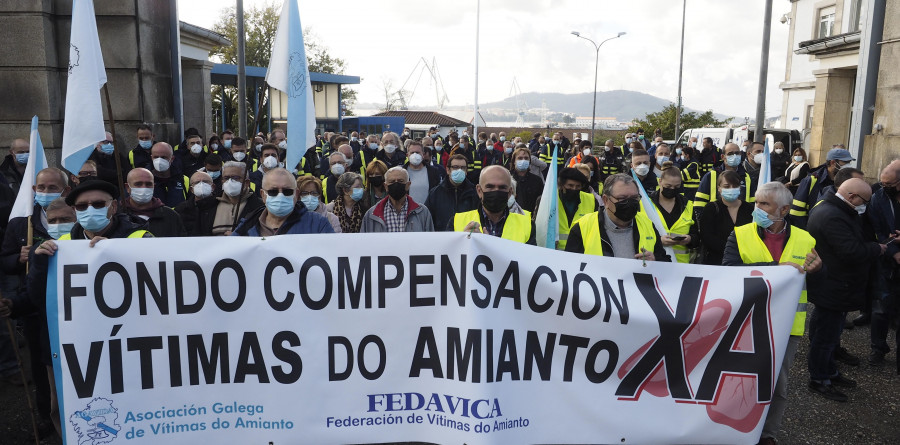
{"x": 398, "y": 169}
{"x": 775, "y": 191}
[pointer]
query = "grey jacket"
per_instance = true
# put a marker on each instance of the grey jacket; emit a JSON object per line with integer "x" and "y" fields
{"x": 418, "y": 218}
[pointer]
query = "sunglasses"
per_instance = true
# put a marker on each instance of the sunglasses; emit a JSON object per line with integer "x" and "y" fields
{"x": 95, "y": 204}
{"x": 275, "y": 192}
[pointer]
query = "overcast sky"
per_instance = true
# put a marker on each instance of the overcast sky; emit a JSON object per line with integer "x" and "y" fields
{"x": 531, "y": 40}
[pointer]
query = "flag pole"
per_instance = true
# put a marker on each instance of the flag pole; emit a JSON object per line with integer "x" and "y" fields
{"x": 112, "y": 129}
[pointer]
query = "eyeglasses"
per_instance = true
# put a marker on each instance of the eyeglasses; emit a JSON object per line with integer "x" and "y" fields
{"x": 82, "y": 206}
{"x": 302, "y": 194}
{"x": 275, "y": 192}
{"x": 457, "y": 167}
{"x": 865, "y": 201}
{"x": 84, "y": 173}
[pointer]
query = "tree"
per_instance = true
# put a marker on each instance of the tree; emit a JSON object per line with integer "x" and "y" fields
{"x": 665, "y": 121}
{"x": 260, "y": 26}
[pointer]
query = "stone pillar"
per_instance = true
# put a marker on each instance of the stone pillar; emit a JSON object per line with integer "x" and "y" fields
{"x": 883, "y": 146}
{"x": 831, "y": 111}
{"x": 195, "y": 75}
{"x": 134, "y": 40}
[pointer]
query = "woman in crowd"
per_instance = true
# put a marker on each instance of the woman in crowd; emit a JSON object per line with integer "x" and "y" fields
{"x": 310, "y": 189}
{"x": 677, "y": 213}
{"x": 720, "y": 217}
{"x": 797, "y": 170}
{"x": 346, "y": 207}
{"x": 528, "y": 185}
{"x": 375, "y": 190}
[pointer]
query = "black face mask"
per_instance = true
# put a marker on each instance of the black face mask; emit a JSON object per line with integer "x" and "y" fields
{"x": 627, "y": 209}
{"x": 376, "y": 181}
{"x": 495, "y": 201}
{"x": 669, "y": 193}
{"x": 397, "y": 190}
{"x": 571, "y": 195}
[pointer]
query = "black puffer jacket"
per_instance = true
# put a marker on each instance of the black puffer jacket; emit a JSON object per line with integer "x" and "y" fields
{"x": 846, "y": 251}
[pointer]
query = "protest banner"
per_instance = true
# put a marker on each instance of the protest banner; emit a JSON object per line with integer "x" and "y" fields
{"x": 433, "y": 337}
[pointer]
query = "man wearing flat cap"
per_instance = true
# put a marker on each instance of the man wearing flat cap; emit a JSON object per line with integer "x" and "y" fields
{"x": 95, "y": 207}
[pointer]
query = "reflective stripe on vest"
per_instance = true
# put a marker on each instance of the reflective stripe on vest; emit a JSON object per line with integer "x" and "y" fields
{"x": 585, "y": 207}
{"x": 754, "y": 250}
{"x": 593, "y": 242}
{"x": 516, "y": 228}
{"x": 135, "y": 234}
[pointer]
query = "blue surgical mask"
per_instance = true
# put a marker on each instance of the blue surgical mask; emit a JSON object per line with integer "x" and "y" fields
{"x": 44, "y": 199}
{"x": 226, "y": 144}
{"x": 22, "y": 158}
{"x": 522, "y": 164}
{"x": 215, "y": 174}
{"x": 458, "y": 176}
{"x": 310, "y": 202}
{"x": 92, "y": 219}
{"x": 662, "y": 159}
{"x": 357, "y": 193}
{"x": 280, "y": 205}
{"x": 58, "y": 230}
{"x": 678, "y": 151}
{"x": 107, "y": 148}
{"x": 733, "y": 160}
{"x": 730, "y": 195}
{"x": 761, "y": 218}
{"x": 145, "y": 144}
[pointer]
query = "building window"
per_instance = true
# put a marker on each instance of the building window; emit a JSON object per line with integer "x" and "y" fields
{"x": 826, "y": 22}
{"x": 856, "y": 18}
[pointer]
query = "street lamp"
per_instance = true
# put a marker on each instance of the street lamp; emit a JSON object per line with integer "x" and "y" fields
{"x": 596, "y": 69}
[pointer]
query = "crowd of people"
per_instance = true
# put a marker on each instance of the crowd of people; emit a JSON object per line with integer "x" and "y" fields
{"x": 824, "y": 221}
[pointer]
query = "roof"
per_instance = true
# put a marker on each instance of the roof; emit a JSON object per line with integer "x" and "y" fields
{"x": 424, "y": 118}
{"x": 204, "y": 35}
{"x": 226, "y": 74}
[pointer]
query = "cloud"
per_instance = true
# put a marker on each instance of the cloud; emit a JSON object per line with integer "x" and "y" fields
{"x": 531, "y": 41}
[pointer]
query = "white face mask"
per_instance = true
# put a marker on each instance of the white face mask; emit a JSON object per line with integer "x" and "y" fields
{"x": 282, "y": 145}
{"x": 642, "y": 169}
{"x": 758, "y": 158}
{"x": 232, "y": 188}
{"x": 196, "y": 149}
{"x": 161, "y": 164}
{"x": 390, "y": 148}
{"x": 415, "y": 159}
{"x": 239, "y": 156}
{"x": 337, "y": 169}
{"x": 586, "y": 152}
{"x": 202, "y": 190}
{"x": 142, "y": 195}
{"x": 270, "y": 162}
{"x": 779, "y": 151}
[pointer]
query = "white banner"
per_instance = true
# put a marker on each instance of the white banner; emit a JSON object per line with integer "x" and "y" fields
{"x": 433, "y": 337}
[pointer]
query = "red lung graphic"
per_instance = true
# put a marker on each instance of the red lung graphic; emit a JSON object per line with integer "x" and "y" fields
{"x": 698, "y": 341}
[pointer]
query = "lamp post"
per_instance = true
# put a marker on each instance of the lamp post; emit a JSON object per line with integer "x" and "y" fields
{"x": 680, "y": 72}
{"x": 596, "y": 69}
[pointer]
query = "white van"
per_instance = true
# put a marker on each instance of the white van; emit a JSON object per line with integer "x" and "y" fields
{"x": 791, "y": 139}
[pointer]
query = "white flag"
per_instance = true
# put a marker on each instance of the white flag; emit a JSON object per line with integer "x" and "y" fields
{"x": 289, "y": 72}
{"x": 37, "y": 161}
{"x": 83, "y": 125}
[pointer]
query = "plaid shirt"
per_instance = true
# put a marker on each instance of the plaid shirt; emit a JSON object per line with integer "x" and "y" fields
{"x": 395, "y": 219}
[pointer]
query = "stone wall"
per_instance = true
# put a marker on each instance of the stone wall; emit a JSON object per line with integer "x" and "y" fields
{"x": 134, "y": 39}
{"x": 883, "y": 146}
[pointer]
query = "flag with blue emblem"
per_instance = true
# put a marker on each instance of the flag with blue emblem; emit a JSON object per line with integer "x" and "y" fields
{"x": 83, "y": 125}
{"x": 289, "y": 73}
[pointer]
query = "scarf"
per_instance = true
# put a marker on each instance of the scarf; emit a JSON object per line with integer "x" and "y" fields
{"x": 351, "y": 223}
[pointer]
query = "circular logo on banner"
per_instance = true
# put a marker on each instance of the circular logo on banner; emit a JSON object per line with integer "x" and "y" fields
{"x": 297, "y": 73}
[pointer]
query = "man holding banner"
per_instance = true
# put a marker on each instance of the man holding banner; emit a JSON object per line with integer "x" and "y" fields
{"x": 494, "y": 189}
{"x": 768, "y": 241}
{"x": 620, "y": 230}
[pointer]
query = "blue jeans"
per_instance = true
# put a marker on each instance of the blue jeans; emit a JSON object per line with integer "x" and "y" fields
{"x": 825, "y": 327}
